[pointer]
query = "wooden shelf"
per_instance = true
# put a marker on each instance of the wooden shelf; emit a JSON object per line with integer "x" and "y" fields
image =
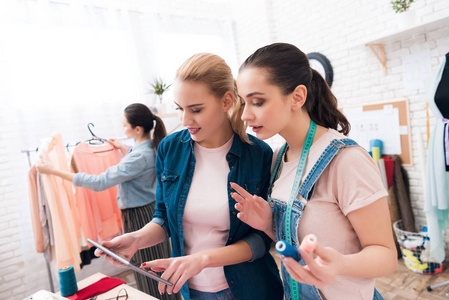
{"x": 379, "y": 51}
{"x": 392, "y": 36}
{"x": 376, "y": 44}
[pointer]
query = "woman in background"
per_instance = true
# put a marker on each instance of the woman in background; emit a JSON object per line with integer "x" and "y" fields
{"x": 135, "y": 177}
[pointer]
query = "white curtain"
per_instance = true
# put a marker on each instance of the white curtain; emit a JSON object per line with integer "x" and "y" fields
{"x": 64, "y": 64}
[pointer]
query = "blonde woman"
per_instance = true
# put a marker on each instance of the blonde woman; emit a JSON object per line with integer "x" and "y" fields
{"x": 215, "y": 255}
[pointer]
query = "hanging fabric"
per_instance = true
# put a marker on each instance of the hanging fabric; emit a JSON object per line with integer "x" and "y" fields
{"x": 61, "y": 201}
{"x": 401, "y": 189}
{"x": 100, "y": 215}
{"x": 40, "y": 215}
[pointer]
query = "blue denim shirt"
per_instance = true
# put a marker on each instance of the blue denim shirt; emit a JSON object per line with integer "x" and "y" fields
{"x": 134, "y": 176}
{"x": 249, "y": 167}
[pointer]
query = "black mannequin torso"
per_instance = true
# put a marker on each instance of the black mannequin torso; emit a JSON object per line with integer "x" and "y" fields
{"x": 442, "y": 92}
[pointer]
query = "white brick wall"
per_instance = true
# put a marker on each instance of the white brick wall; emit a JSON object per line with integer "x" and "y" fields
{"x": 21, "y": 129}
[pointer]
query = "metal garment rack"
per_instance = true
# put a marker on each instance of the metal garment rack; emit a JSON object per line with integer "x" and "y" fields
{"x": 50, "y": 277}
{"x": 92, "y": 141}
{"x": 28, "y": 151}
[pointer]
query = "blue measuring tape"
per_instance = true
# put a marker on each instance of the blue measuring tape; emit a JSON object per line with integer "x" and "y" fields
{"x": 294, "y": 193}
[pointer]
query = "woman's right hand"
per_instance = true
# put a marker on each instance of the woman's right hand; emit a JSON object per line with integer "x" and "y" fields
{"x": 124, "y": 246}
{"x": 116, "y": 143}
{"x": 253, "y": 210}
{"x": 119, "y": 145}
{"x": 323, "y": 264}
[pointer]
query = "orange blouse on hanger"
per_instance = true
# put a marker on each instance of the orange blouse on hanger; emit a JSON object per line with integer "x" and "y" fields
{"x": 98, "y": 210}
{"x": 61, "y": 200}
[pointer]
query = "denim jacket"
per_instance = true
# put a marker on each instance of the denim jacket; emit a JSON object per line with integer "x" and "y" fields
{"x": 134, "y": 176}
{"x": 249, "y": 167}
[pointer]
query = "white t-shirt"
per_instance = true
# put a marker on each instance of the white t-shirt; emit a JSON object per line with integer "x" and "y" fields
{"x": 206, "y": 214}
{"x": 351, "y": 181}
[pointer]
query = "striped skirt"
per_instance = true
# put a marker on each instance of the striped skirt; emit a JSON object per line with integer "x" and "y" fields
{"x": 134, "y": 219}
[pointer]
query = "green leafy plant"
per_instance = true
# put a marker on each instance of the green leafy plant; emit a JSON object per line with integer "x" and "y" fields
{"x": 159, "y": 87}
{"x": 400, "y": 6}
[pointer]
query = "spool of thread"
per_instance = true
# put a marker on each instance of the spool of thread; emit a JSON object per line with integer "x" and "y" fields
{"x": 376, "y": 153}
{"x": 284, "y": 248}
{"x": 309, "y": 243}
{"x": 67, "y": 281}
{"x": 376, "y": 143}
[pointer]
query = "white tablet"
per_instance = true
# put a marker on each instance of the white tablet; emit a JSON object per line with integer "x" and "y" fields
{"x": 128, "y": 264}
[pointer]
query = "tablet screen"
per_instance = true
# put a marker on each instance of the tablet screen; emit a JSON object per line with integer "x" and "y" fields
{"x": 112, "y": 254}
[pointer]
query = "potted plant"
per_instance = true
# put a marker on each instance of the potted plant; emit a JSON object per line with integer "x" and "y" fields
{"x": 406, "y": 17}
{"x": 400, "y": 6}
{"x": 159, "y": 87}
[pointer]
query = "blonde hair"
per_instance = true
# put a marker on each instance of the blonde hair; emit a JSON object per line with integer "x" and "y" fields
{"x": 213, "y": 71}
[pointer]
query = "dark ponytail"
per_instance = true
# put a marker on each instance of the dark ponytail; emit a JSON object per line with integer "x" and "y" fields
{"x": 321, "y": 104}
{"x": 159, "y": 131}
{"x": 139, "y": 114}
{"x": 288, "y": 67}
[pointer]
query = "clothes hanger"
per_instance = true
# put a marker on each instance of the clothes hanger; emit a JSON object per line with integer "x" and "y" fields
{"x": 95, "y": 140}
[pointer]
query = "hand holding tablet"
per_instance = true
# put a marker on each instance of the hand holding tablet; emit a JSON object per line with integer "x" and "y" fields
{"x": 128, "y": 264}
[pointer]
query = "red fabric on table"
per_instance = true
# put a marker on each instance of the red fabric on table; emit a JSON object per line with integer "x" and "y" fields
{"x": 389, "y": 170}
{"x": 101, "y": 286}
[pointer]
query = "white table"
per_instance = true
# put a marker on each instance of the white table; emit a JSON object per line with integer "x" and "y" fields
{"x": 133, "y": 293}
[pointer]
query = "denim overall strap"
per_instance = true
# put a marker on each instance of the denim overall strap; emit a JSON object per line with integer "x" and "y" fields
{"x": 306, "y": 291}
{"x": 326, "y": 157}
{"x": 274, "y": 173}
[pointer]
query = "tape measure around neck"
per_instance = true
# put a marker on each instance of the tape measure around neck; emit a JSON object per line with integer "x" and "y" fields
{"x": 294, "y": 192}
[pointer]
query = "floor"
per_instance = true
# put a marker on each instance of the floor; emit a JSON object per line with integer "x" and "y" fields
{"x": 403, "y": 284}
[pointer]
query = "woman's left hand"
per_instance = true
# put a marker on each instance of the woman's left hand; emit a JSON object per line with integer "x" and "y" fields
{"x": 45, "y": 167}
{"x": 319, "y": 271}
{"x": 177, "y": 270}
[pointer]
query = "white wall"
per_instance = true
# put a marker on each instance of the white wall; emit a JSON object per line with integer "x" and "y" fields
{"x": 22, "y": 128}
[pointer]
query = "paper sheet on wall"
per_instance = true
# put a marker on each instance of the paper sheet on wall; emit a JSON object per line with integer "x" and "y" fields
{"x": 416, "y": 69}
{"x": 380, "y": 124}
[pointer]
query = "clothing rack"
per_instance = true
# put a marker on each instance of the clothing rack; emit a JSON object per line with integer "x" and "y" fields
{"x": 50, "y": 278}
{"x": 28, "y": 151}
{"x": 69, "y": 145}
{"x": 94, "y": 138}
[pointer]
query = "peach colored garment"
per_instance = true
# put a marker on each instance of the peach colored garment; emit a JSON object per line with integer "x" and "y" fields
{"x": 34, "y": 209}
{"x": 351, "y": 181}
{"x": 99, "y": 211}
{"x": 40, "y": 215}
{"x": 64, "y": 213}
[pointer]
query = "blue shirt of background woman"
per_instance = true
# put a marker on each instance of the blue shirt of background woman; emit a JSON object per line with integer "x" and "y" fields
{"x": 135, "y": 177}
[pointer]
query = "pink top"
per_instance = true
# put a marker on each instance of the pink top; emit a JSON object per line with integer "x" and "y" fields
{"x": 350, "y": 182}
{"x": 206, "y": 214}
{"x": 99, "y": 211}
{"x": 35, "y": 210}
{"x": 64, "y": 214}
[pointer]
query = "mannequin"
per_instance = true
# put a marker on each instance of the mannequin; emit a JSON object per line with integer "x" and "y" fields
{"x": 442, "y": 92}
